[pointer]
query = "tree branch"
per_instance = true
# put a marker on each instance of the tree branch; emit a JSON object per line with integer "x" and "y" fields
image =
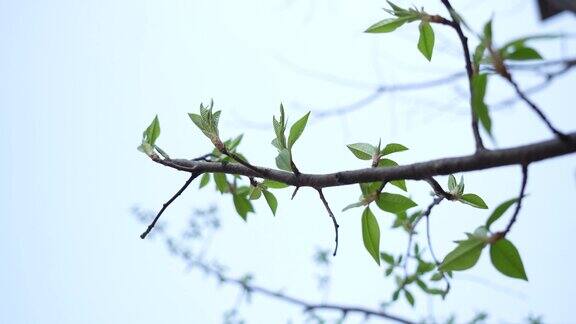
{"x": 193, "y": 176}
{"x": 418, "y": 171}
{"x": 535, "y": 108}
{"x": 469, "y": 71}
{"x": 331, "y": 214}
{"x": 520, "y": 198}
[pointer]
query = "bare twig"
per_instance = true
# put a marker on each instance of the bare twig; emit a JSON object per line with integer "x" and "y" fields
{"x": 536, "y": 109}
{"x": 520, "y": 198}
{"x": 331, "y": 214}
{"x": 437, "y": 200}
{"x": 193, "y": 176}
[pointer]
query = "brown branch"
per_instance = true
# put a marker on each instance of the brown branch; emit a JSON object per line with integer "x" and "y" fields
{"x": 535, "y": 108}
{"x": 438, "y": 190}
{"x": 469, "y": 71}
{"x": 307, "y": 306}
{"x": 331, "y": 214}
{"x": 193, "y": 176}
{"x": 417, "y": 171}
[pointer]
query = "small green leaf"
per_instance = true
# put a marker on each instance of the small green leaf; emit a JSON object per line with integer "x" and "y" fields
{"x": 255, "y": 193}
{"x": 221, "y": 182}
{"x": 243, "y": 206}
{"x": 499, "y": 211}
{"x": 197, "y": 120}
{"x": 204, "y": 180}
{"x": 386, "y": 25}
{"x": 409, "y": 297}
{"x": 506, "y": 259}
{"x": 393, "y": 148}
{"x": 274, "y": 184}
{"x": 479, "y": 82}
{"x": 394, "y": 203}
{"x": 464, "y": 256}
{"x": 283, "y": 160}
{"x": 452, "y": 183}
{"x": 488, "y": 32}
{"x": 437, "y": 276}
{"x": 271, "y": 200}
{"x": 371, "y": 234}
{"x": 153, "y": 131}
{"x": 523, "y": 54}
{"x": 363, "y": 151}
{"x": 473, "y": 200}
{"x": 297, "y": 129}
{"x": 386, "y": 163}
{"x": 426, "y": 40}
{"x": 387, "y": 258}
{"x": 354, "y": 205}
{"x": 478, "y": 54}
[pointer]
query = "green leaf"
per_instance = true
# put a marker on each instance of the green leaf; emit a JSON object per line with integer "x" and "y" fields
{"x": 395, "y": 7}
{"x": 354, "y": 205}
{"x": 153, "y": 131}
{"x": 452, "y": 184}
{"x": 274, "y": 184}
{"x": 197, "y": 120}
{"x": 478, "y": 54}
{"x": 283, "y": 160}
{"x": 204, "y": 180}
{"x": 393, "y": 148}
{"x": 386, "y": 163}
{"x": 243, "y": 206}
{"x": 464, "y": 256}
{"x": 488, "y": 32}
{"x": 523, "y": 54}
{"x": 499, "y": 211}
{"x": 146, "y": 148}
{"x": 387, "y": 25}
{"x": 271, "y": 200}
{"x": 473, "y": 200}
{"x": 426, "y": 40}
{"x": 479, "y": 82}
{"x": 255, "y": 193}
{"x": 297, "y": 129}
{"x": 394, "y": 203}
{"x": 437, "y": 276}
{"x": 371, "y": 234}
{"x": 506, "y": 259}
{"x": 387, "y": 258}
{"x": 363, "y": 151}
{"x": 409, "y": 297}
{"x": 221, "y": 182}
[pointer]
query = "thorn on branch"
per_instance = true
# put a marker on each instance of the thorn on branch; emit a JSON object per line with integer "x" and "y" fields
{"x": 193, "y": 176}
{"x": 336, "y": 226}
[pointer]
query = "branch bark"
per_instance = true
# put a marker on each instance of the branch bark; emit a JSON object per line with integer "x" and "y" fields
{"x": 481, "y": 160}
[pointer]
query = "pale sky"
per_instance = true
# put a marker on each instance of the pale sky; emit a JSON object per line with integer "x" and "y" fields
{"x": 80, "y": 80}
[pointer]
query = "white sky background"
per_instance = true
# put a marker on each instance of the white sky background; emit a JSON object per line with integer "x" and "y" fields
{"x": 80, "y": 80}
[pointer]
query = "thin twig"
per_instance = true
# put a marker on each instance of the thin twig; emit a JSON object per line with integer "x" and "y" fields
{"x": 426, "y": 213}
{"x": 520, "y": 198}
{"x": 331, "y": 214}
{"x": 536, "y": 109}
{"x": 193, "y": 176}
